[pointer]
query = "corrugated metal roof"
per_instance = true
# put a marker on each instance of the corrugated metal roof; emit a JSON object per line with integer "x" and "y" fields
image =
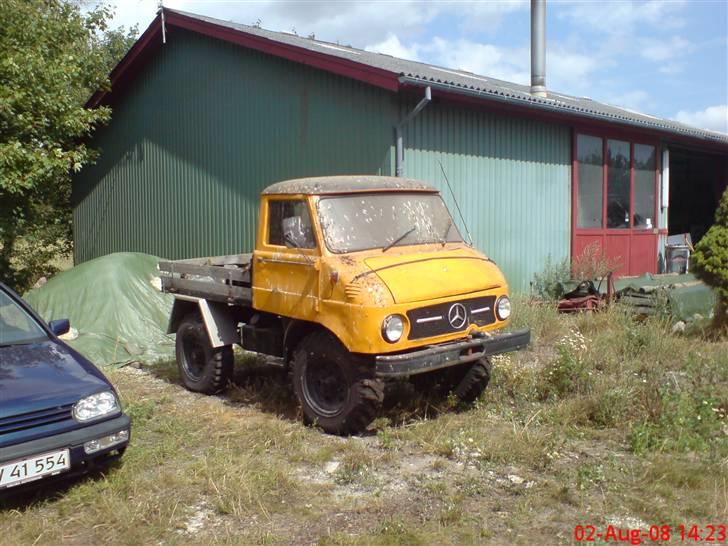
{"x": 467, "y": 83}
{"x": 346, "y": 184}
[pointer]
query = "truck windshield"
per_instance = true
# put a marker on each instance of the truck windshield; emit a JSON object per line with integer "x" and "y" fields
{"x": 16, "y": 326}
{"x": 382, "y": 220}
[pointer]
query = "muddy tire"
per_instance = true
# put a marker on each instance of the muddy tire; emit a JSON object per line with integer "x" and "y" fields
{"x": 338, "y": 391}
{"x": 466, "y": 381}
{"x": 474, "y": 381}
{"x": 202, "y": 368}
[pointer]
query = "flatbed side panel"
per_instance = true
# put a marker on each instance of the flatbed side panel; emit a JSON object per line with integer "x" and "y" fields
{"x": 208, "y": 290}
{"x": 240, "y": 260}
{"x": 222, "y": 278}
{"x": 215, "y": 272}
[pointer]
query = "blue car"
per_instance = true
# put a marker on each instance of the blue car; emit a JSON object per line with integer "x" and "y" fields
{"x": 59, "y": 415}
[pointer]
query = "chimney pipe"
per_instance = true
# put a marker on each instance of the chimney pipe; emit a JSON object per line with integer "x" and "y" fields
{"x": 538, "y": 48}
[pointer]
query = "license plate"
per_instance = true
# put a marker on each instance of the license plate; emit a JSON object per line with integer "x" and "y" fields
{"x": 34, "y": 468}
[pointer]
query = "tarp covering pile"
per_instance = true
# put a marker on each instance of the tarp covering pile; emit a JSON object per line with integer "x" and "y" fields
{"x": 115, "y": 304}
{"x": 683, "y": 296}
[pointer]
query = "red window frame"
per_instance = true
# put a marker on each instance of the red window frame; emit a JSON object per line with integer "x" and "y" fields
{"x": 601, "y": 233}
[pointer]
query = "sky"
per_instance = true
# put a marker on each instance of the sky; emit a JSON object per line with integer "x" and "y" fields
{"x": 667, "y": 58}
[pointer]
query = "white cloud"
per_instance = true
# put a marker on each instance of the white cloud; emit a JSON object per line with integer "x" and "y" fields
{"x": 567, "y": 70}
{"x": 350, "y": 22}
{"x": 570, "y": 70}
{"x": 632, "y": 100}
{"x": 479, "y": 17}
{"x": 510, "y": 64}
{"x": 664, "y": 49}
{"x": 392, "y": 46}
{"x": 671, "y": 68}
{"x": 624, "y": 16}
{"x": 713, "y": 118}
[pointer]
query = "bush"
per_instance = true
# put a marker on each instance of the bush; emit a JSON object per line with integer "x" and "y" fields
{"x": 688, "y": 421}
{"x": 549, "y": 284}
{"x": 568, "y": 373}
{"x": 710, "y": 260}
{"x": 592, "y": 264}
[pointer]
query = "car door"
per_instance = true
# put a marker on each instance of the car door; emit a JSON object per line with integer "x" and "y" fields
{"x": 285, "y": 272}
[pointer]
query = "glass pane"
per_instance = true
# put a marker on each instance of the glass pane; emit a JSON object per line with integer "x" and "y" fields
{"x": 378, "y": 220}
{"x": 16, "y": 326}
{"x": 617, "y": 184}
{"x": 278, "y": 211}
{"x": 589, "y": 154}
{"x": 644, "y": 186}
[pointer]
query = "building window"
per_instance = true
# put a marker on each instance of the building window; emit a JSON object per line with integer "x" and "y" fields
{"x": 644, "y": 186}
{"x": 591, "y": 167}
{"x": 618, "y": 177}
{"x": 278, "y": 211}
{"x": 618, "y": 191}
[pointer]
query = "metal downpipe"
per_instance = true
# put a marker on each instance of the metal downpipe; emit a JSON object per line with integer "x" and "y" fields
{"x": 399, "y": 157}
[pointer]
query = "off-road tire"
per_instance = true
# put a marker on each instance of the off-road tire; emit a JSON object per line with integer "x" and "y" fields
{"x": 474, "y": 381}
{"x": 202, "y": 367}
{"x": 342, "y": 402}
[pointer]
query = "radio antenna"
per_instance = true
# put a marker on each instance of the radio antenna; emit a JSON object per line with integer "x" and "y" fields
{"x": 457, "y": 205}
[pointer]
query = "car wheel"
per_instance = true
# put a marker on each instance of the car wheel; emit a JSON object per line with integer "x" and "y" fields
{"x": 338, "y": 391}
{"x": 202, "y": 367}
{"x": 474, "y": 381}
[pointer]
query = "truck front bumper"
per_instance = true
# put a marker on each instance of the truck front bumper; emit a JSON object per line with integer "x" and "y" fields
{"x": 435, "y": 357}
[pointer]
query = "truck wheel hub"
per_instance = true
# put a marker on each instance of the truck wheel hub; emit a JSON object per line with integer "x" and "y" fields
{"x": 325, "y": 388}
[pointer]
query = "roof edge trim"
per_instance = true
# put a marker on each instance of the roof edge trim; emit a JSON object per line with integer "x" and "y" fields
{"x": 343, "y": 67}
{"x": 563, "y": 112}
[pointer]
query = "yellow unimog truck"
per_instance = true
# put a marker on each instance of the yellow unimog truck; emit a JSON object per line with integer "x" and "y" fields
{"x": 355, "y": 280}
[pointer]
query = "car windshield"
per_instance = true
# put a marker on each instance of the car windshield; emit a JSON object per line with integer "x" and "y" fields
{"x": 17, "y": 327}
{"x": 382, "y": 220}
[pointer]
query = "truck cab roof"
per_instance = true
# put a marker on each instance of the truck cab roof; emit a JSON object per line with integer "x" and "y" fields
{"x": 346, "y": 184}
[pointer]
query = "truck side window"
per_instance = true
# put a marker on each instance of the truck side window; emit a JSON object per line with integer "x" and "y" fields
{"x": 279, "y": 211}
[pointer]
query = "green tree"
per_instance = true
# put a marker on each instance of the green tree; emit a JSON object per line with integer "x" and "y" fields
{"x": 53, "y": 55}
{"x": 710, "y": 261}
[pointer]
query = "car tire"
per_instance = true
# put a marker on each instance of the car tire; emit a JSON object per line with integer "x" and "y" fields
{"x": 474, "y": 381}
{"x": 202, "y": 367}
{"x": 337, "y": 390}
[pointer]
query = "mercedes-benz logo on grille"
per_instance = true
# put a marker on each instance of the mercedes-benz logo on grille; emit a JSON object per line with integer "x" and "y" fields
{"x": 457, "y": 315}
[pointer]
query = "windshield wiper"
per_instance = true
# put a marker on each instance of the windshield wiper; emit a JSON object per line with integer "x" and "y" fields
{"x": 398, "y": 239}
{"x": 447, "y": 231}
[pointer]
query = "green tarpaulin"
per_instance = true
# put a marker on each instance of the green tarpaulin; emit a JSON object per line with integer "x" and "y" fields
{"x": 682, "y": 296}
{"x": 115, "y": 304}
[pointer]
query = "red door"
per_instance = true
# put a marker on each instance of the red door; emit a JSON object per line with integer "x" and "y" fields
{"x": 615, "y": 200}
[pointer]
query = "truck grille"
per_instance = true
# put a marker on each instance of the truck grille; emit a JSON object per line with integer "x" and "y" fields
{"x": 453, "y": 316}
{"x": 35, "y": 419}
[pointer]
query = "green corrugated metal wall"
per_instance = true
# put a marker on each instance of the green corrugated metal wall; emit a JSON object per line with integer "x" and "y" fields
{"x": 511, "y": 177}
{"x": 202, "y": 130}
{"x": 207, "y": 125}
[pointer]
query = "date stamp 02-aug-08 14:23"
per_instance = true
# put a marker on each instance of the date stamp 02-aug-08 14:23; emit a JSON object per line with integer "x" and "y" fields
{"x": 655, "y": 534}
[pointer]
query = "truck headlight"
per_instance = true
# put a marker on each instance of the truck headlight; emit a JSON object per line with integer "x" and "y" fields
{"x": 96, "y": 406}
{"x": 503, "y": 308}
{"x": 393, "y": 328}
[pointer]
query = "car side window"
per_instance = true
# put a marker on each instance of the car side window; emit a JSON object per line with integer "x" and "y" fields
{"x": 16, "y": 326}
{"x": 281, "y": 210}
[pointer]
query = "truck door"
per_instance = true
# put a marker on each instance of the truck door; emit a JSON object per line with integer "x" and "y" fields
{"x": 286, "y": 260}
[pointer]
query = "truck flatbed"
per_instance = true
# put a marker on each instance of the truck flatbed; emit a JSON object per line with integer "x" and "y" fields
{"x": 216, "y": 278}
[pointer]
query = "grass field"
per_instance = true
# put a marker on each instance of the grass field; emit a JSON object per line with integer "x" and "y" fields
{"x": 605, "y": 420}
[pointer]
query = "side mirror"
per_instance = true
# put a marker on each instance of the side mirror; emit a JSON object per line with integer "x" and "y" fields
{"x": 294, "y": 233}
{"x": 60, "y": 326}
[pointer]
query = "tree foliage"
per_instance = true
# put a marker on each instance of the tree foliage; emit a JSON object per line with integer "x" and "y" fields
{"x": 710, "y": 260}
{"x": 53, "y": 55}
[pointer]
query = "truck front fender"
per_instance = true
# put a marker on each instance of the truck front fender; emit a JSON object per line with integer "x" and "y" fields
{"x": 220, "y": 322}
